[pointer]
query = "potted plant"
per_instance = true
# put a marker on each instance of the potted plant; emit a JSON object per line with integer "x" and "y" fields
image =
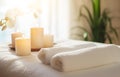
{"x": 98, "y": 22}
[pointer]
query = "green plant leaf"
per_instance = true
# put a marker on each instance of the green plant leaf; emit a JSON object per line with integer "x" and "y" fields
{"x": 96, "y": 9}
{"x": 88, "y": 11}
{"x": 90, "y": 22}
{"x": 85, "y": 36}
{"x": 87, "y": 19}
{"x": 98, "y": 22}
{"x": 111, "y": 27}
{"x": 109, "y": 38}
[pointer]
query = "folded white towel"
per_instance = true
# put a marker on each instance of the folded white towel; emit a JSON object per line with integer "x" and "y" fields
{"x": 86, "y": 58}
{"x": 46, "y": 54}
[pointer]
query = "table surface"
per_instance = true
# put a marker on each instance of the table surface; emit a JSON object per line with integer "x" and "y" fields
{"x": 12, "y": 65}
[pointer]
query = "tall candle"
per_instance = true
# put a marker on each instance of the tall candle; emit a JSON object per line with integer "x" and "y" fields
{"x": 48, "y": 40}
{"x": 14, "y": 36}
{"x": 23, "y": 46}
{"x": 36, "y": 37}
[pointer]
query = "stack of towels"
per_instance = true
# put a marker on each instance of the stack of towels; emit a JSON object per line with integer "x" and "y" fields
{"x": 80, "y": 56}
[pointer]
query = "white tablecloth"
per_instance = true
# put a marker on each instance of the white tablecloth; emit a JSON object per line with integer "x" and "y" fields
{"x": 12, "y": 65}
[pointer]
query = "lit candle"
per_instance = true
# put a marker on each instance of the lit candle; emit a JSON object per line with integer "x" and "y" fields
{"x": 36, "y": 37}
{"x": 14, "y": 36}
{"x": 48, "y": 41}
{"x": 22, "y": 46}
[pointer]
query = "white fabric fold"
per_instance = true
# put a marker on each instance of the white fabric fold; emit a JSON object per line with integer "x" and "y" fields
{"x": 46, "y": 54}
{"x": 86, "y": 58}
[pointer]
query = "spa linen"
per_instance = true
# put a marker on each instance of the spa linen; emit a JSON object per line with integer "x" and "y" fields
{"x": 46, "y": 54}
{"x": 86, "y": 58}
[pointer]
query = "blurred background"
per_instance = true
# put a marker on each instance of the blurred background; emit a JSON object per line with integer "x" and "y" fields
{"x": 57, "y": 17}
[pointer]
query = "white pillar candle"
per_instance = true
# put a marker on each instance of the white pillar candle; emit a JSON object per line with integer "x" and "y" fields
{"x": 36, "y": 37}
{"x": 22, "y": 46}
{"x": 14, "y": 36}
{"x": 48, "y": 40}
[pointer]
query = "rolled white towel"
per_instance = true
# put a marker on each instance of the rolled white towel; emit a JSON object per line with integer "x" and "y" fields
{"x": 85, "y": 58}
{"x": 46, "y": 54}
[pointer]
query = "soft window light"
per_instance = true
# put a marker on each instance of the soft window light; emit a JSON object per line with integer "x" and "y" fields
{"x": 19, "y": 12}
{"x": 52, "y": 15}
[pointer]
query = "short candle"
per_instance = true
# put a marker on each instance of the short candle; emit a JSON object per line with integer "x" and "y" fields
{"x": 14, "y": 36}
{"x": 23, "y": 46}
{"x": 48, "y": 40}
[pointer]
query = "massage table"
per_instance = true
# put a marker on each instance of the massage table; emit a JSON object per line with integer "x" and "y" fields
{"x": 12, "y": 65}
